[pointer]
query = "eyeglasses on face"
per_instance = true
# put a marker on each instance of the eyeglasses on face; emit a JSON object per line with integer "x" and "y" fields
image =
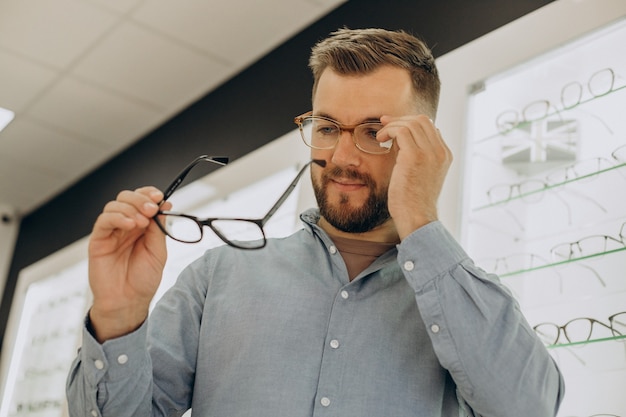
{"x": 323, "y": 133}
{"x": 240, "y": 233}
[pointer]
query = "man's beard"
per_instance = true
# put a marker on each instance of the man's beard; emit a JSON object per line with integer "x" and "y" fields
{"x": 371, "y": 214}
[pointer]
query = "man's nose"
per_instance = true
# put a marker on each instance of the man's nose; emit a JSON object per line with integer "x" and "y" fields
{"x": 346, "y": 152}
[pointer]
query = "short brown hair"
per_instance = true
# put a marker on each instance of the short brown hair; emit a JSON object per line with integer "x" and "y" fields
{"x": 361, "y": 51}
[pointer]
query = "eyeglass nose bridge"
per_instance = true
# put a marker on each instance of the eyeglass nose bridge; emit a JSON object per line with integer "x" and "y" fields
{"x": 347, "y": 129}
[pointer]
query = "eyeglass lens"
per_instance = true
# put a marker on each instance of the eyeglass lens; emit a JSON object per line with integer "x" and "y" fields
{"x": 237, "y": 232}
{"x": 320, "y": 133}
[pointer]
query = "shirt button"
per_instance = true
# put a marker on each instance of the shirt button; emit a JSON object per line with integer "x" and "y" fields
{"x": 434, "y": 328}
{"x": 98, "y": 364}
{"x": 122, "y": 359}
{"x": 94, "y": 413}
{"x": 332, "y": 249}
{"x": 345, "y": 294}
{"x": 409, "y": 265}
{"x": 325, "y": 401}
{"x": 334, "y": 344}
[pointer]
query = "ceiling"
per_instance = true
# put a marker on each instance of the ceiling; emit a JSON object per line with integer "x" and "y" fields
{"x": 87, "y": 78}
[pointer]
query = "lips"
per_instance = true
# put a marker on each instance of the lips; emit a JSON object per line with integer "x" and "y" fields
{"x": 346, "y": 180}
{"x": 344, "y": 184}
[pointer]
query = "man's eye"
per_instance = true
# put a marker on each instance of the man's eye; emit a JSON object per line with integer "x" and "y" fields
{"x": 370, "y": 132}
{"x": 327, "y": 130}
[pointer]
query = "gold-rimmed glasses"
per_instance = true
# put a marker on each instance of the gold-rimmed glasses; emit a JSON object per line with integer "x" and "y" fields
{"x": 320, "y": 132}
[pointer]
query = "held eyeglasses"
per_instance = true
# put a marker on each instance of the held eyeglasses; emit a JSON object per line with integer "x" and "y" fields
{"x": 240, "y": 233}
{"x": 320, "y": 132}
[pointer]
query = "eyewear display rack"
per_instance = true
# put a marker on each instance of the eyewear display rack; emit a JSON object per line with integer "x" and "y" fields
{"x": 545, "y": 206}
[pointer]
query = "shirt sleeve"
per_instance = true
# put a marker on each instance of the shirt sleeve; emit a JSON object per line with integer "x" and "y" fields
{"x": 477, "y": 330}
{"x": 111, "y": 379}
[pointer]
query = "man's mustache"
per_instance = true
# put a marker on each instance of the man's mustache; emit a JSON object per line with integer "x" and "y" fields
{"x": 350, "y": 174}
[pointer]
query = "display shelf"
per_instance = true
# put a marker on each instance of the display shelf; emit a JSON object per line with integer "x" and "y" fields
{"x": 549, "y": 187}
{"x": 621, "y": 339}
{"x": 591, "y": 358}
{"x": 544, "y": 206}
{"x": 560, "y": 263}
{"x": 526, "y": 124}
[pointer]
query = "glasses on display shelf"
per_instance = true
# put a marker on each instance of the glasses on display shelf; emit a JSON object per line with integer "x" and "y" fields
{"x": 320, "y": 132}
{"x": 589, "y": 246}
{"x": 599, "y": 84}
{"x": 240, "y": 233}
{"x": 537, "y": 110}
{"x": 513, "y": 263}
{"x": 40, "y": 406}
{"x": 520, "y": 263}
{"x": 580, "y": 329}
{"x": 600, "y": 415}
{"x": 619, "y": 154}
{"x": 530, "y": 190}
{"x": 588, "y": 168}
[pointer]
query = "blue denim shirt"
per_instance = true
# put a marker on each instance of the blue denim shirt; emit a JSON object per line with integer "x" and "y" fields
{"x": 282, "y": 332}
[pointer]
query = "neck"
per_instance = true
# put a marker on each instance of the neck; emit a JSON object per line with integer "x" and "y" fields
{"x": 385, "y": 233}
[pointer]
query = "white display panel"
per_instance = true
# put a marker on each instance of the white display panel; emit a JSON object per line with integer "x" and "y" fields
{"x": 545, "y": 206}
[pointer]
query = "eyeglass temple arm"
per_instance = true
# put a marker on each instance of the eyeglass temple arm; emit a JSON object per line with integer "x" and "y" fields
{"x": 219, "y": 160}
{"x": 290, "y": 189}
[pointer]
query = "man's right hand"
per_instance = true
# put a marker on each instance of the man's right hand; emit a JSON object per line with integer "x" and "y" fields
{"x": 127, "y": 254}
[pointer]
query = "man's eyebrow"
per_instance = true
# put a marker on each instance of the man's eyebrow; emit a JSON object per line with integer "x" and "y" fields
{"x": 366, "y": 120}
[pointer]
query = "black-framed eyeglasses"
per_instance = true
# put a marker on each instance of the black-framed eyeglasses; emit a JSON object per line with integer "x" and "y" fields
{"x": 240, "y": 233}
{"x": 323, "y": 133}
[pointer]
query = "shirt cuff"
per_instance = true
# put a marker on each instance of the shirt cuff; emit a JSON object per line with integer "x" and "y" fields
{"x": 115, "y": 359}
{"x": 429, "y": 252}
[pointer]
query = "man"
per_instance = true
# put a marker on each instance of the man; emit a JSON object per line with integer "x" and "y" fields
{"x": 371, "y": 310}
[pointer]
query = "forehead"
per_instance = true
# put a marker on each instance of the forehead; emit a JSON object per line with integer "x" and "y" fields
{"x": 353, "y": 98}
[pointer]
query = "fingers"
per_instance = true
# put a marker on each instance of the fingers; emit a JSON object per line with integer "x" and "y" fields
{"x": 131, "y": 209}
{"x": 415, "y": 133}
